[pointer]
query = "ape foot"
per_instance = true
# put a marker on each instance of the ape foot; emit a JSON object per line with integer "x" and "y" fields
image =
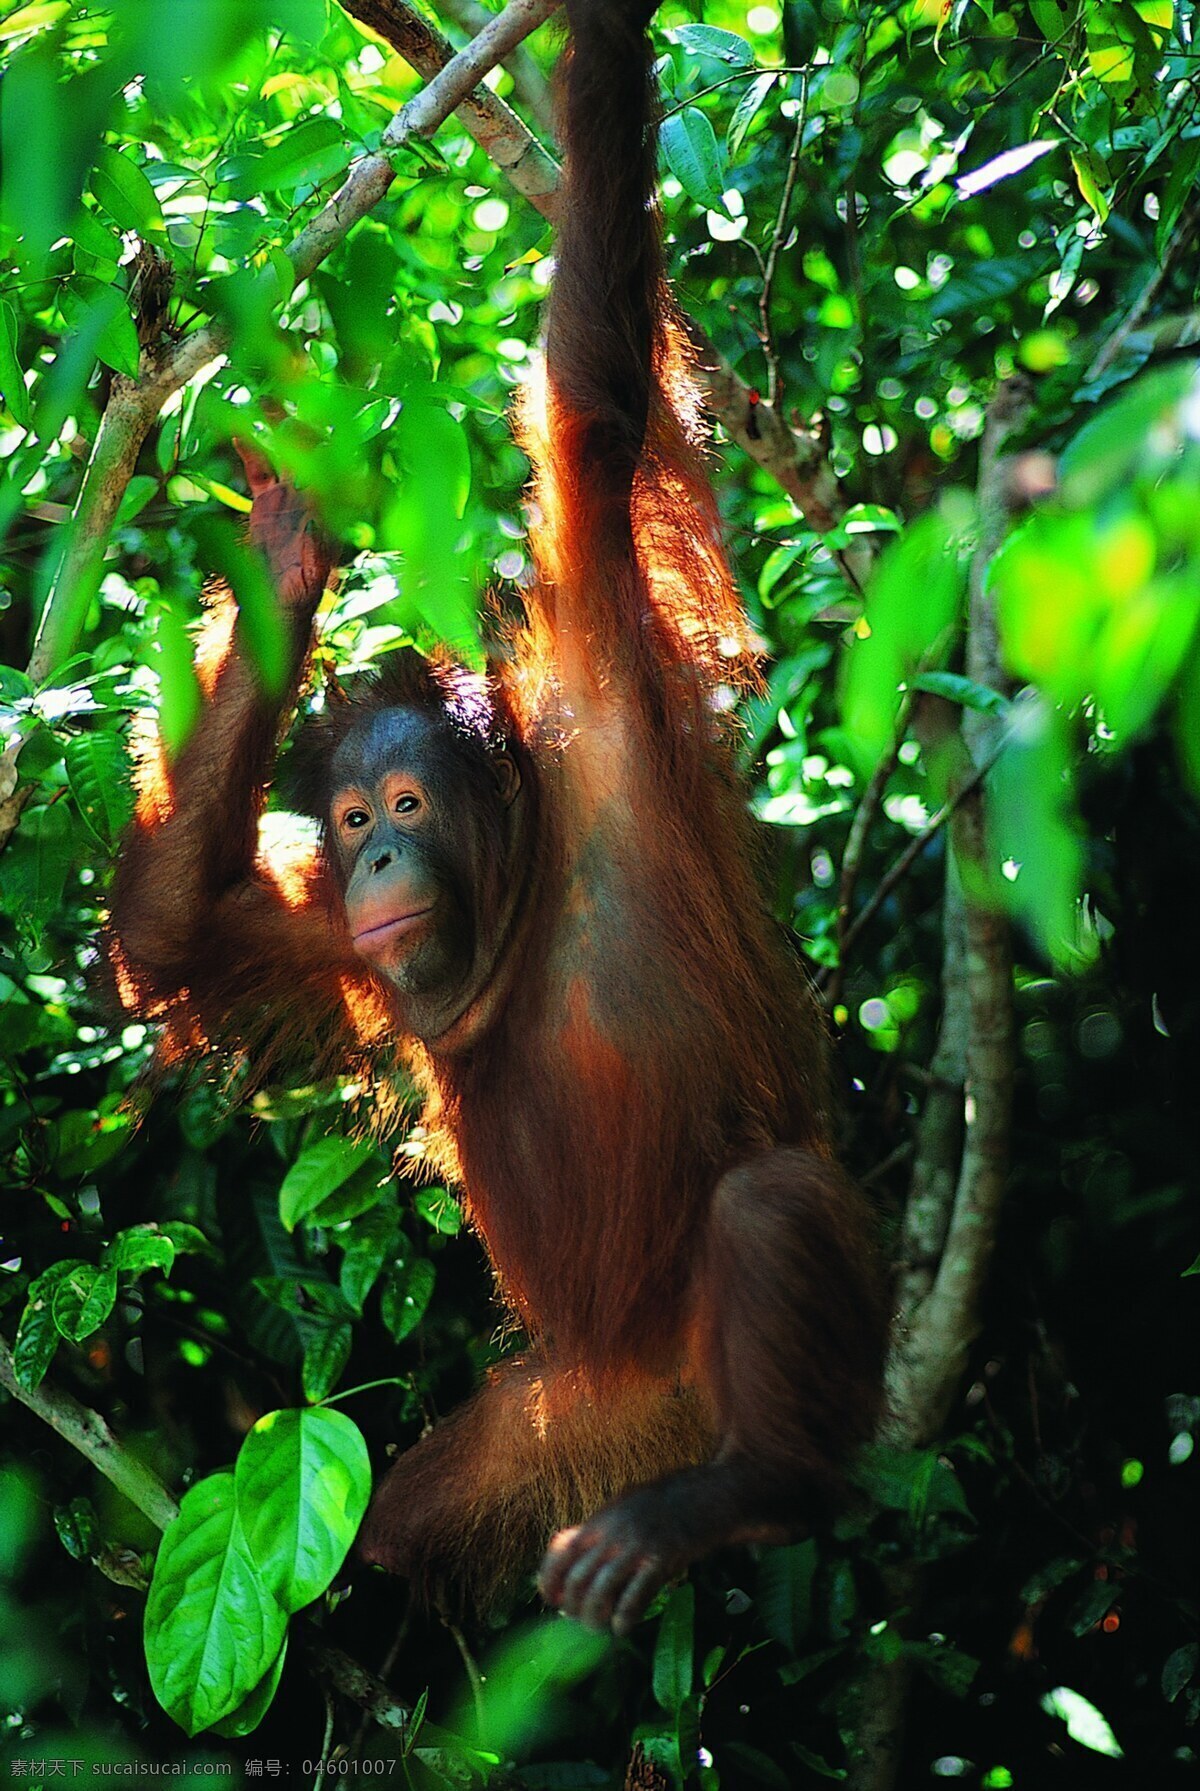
{"x": 605, "y": 1571}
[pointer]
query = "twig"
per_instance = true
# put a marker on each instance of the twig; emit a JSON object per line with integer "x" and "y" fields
{"x": 777, "y": 236}
{"x": 1181, "y": 236}
{"x": 326, "y": 1741}
{"x": 87, "y": 1432}
{"x": 474, "y": 1677}
{"x": 904, "y": 863}
{"x": 857, "y": 837}
{"x": 345, "y": 1675}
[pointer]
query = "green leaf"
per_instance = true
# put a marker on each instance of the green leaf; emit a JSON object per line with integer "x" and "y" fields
{"x": 246, "y": 1718}
{"x": 36, "y": 862}
{"x": 711, "y": 41}
{"x": 37, "y": 1334}
{"x": 674, "y": 1649}
{"x": 83, "y": 1300}
{"x": 371, "y": 1242}
{"x": 423, "y": 522}
{"x": 77, "y": 1528}
{"x": 100, "y": 775}
{"x": 746, "y": 111}
{"x": 440, "y": 1210}
{"x": 310, "y": 152}
{"x": 317, "y": 1172}
{"x": 325, "y": 1357}
{"x": 526, "y": 1684}
{"x": 406, "y": 1296}
{"x": 785, "y": 1586}
{"x": 126, "y": 194}
{"x": 179, "y": 692}
{"x": 694, "y": 157}
{"x": 140, "y": 489}
{"x": 1093, "y": 178}
{"x": 957, "y": 689}
{"x": 913, "y": 605}
{"x": 141, "y": 1247}
{"x": 1179, "y": 1669}
{"x": 12, "y": 382}
{"x": 213, "y": 1629}
{"x": 1034, "y": 832}
{"x": 303, "y": 1479}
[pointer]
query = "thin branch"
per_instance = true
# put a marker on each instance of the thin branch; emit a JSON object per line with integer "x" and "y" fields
{"x": 344, "y": 1675}
{"x": 772, "y": 258}
{"x": 1111, "y": 347}
{"x": 857, "y": 837}
{"x": 894, "y": 876}
{"x": 87, "y": 1432}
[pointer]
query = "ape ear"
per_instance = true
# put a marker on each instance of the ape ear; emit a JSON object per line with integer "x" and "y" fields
{"x": 507, "y": 774}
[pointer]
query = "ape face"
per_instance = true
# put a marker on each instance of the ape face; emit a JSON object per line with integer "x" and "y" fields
{"x": 418, "y": 829}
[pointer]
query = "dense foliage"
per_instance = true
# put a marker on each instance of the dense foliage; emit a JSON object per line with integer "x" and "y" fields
{"x": 877, "y": 214}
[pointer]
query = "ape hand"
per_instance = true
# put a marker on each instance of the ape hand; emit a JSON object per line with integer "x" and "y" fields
{"x": 284, "y": 530}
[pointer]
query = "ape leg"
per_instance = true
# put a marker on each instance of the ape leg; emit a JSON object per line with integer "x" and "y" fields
{"x": 791, "y": 1322}
{"x": 470, "y": 1507}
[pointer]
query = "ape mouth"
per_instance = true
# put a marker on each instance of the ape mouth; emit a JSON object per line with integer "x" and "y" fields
{"x": 385, "y": 931}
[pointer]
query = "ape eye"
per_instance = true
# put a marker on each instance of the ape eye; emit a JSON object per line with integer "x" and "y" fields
{"x": 407, "y": 805}
{"x": 355, "y": 818}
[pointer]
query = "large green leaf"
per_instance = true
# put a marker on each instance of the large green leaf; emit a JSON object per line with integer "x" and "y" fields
{"x": 213, "y": 1629}
{"x": 303, "y": 1480}
{"x": 98, "y": 768}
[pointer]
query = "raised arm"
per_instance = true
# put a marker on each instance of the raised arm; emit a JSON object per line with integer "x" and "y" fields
{"x": 635, "y": 609}
{"x": 204, "y": 933}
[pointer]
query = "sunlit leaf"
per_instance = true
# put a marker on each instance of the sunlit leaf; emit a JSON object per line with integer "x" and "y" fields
{"x": 319, "y": 1170}
{"x": 302, "y": 1479}
{"x": 912, "y": 607}
{"x": 1084, "y": 1722}
{"x": 179, "y": 693}
{"x": 746, "y": 111}
{"x": 12, "y": 381}
{"x": 710, "y": 40}
{"x": 213, "y": 1629}
{"x": 527, "y": 1678}
{"x": 126, "y": 194}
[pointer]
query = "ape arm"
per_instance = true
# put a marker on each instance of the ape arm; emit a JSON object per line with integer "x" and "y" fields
{"x": 197, "y": 914}
{"x": 635, "y": 609}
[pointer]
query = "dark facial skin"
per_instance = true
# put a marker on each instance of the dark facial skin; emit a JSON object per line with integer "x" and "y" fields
{"x": 418, "y": 829}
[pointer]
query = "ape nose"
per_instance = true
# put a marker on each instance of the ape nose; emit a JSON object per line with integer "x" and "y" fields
{"x": 380, "y": 861}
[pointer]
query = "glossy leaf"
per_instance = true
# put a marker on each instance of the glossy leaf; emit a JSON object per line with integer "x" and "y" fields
{"x": 319, "y": 1170}
{"x": 694, "y": 157}
{"x": 303, "y": 1479}
{"x": 213, "y": 1629}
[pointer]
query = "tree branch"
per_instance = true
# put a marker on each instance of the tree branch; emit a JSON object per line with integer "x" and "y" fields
{"x": 962, "y": 1151}
{"x": 529, "y": 83}
{"x": 87, "y": 1432}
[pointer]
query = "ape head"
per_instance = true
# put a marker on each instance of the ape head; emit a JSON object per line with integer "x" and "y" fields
{"x": 420, "y": 801}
